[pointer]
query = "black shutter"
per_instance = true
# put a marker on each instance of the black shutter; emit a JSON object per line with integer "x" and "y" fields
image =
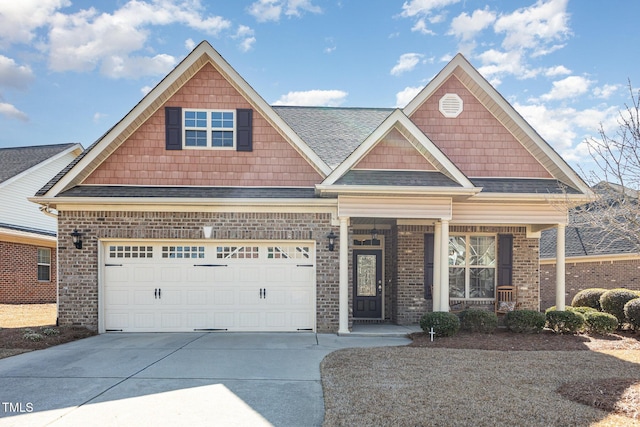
{"x": 505, "y": 259}
{"x": 173, "y": 128}
{"x": 428, "y": 265}
{"x": 244, "y": 124}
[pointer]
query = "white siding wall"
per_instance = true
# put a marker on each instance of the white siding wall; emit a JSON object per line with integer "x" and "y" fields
{"x": 15, "y": 209}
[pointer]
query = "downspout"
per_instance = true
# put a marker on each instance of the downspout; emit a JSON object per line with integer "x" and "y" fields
{"x": 47, "y": 211}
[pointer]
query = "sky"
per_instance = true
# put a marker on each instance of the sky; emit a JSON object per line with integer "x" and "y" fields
{"x": 70, "y": 69}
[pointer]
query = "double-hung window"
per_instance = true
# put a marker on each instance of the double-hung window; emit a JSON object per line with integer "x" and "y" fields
{"x": 472, "y": 266}
{"x": 209, "y": 129}
{"x": 44, "y": 264}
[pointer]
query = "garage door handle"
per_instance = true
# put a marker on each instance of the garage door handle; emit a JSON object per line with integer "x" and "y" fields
{"x": 155, "y": 293}
{"x": 210, "y": 265}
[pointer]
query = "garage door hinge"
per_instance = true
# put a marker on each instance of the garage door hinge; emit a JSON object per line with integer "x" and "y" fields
{"x": 305, "y": 329}
{"x": 304, "y": 265}
{"x": 113, "y": 330}
{"x": 209, "y": 330}
{"x": 113, "y": 265}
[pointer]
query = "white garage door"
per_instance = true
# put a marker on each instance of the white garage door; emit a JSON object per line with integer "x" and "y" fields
{"x": 195, "y": 286}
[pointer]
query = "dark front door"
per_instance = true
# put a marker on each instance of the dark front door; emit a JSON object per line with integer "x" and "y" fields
{"x": 367, "y": 283}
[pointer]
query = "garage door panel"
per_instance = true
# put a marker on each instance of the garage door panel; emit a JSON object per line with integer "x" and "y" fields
{"x": 243, "y": 287}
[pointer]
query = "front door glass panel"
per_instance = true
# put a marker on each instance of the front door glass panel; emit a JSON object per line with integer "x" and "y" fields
{"x": 366, "y": 286}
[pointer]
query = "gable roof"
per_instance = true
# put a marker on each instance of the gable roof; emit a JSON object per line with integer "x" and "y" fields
{"x": 203, "y": 54}
{"x": 16, "y": 160}
{"x": 504, "y": 112}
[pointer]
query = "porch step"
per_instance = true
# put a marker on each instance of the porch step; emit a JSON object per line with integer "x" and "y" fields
{"x": 382, "y": 330}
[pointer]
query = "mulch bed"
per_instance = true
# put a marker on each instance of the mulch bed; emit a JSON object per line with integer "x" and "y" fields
{"x": 13, "y": 341}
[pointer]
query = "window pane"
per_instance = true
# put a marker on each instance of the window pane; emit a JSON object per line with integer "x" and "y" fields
{"x": 456, "y": 282}
{"x": 196, "y": 138}
{"x": 43, "y": 273}
{"x": 222, "y": 139}
{"x": 483, "y": 250}
{"x": 482, "y": 282}
{"x": 221, "y": 119}
{"x": 457, "y": 250}
{"x": 44, "y": 256}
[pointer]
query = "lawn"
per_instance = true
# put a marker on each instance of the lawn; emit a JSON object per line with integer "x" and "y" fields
{"x": 515, "y": 384}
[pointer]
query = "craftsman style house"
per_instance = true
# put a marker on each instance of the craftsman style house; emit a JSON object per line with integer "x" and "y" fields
{"x": 205, "y": 208}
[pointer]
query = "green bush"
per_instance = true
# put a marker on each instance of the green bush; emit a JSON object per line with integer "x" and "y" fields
{"x": 613, "y": 302}
{"x": 632, "y": 313}
{"x": 525, "y": 321}
{"x": 588, "y": 298}
{"x": 600, "y": 323}
{"x": 50, "y": 331}
{"x": 478, "y": 321}
{"x": 581, "y": 310}
{"x": 32, "y": 336}
{"x": 565, "y": 321}
{"x": 444, "y": 324}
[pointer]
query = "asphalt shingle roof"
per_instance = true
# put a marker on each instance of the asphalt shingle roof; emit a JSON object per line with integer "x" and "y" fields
{"x": 189, "y": 192}
{"x": 15, "y": 160}
{"x": 529, "y": 185}
{"x": 333, "y": 133}
{"x": 399, "y": 178}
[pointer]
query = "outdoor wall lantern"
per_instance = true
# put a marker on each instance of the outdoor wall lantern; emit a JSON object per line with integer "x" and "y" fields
{"x": 76, "y": 236}
{"x": 374, "y": 232}
{"x": 332, "y": 240}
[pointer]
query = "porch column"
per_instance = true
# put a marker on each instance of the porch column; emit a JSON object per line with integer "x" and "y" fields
{"x": 344, "y": 277}
{"x": 560, "y": 272}
{"x": 444, "y": 265}
{"x": 436, "y": 267}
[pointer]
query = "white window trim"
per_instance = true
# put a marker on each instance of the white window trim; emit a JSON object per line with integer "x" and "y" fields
{"x": 467, "y": 267}
{"x": 209, "y": 129}
{"x": 38, "y": 264}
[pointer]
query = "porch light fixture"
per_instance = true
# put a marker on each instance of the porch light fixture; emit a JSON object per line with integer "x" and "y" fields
{"x": 76, "y": 237}
{"x": 332, "y": 240}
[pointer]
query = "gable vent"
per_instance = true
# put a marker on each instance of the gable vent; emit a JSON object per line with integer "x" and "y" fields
{"x": 451, "y": 105}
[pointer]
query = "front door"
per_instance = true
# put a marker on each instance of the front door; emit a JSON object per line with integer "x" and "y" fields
{"x": 367, "y": 283}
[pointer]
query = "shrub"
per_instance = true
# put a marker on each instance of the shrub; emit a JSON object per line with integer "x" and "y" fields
{"x": 32, "y": 336}
{"x": 525, "y": 321}
{"x": 632, "y": 313}
{"x": 444, "y": 324}
{"x": 613, "y": 302}
{"x": 565, "y": 321}
{"x": 50, "y": 331}
{"x": 478, "y": 321}
{"x": 581, "y": 310}
{"x": 588, "y": 298}
{"x": 600, "y": 323}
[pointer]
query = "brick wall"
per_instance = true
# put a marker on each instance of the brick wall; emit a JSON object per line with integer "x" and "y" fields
{"x": 583, "y": 275}
{"x": 78, "y": 274}
{"x": 19, "y": 275}
{"x": 410, "y": 289}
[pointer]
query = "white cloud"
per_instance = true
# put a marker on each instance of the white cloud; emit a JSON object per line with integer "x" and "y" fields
{"x": 189, "y": 44}
{"x": 272, "y": 10}
{"x": 146, "y": 89}
{"x": 466, "y": 27}
{"x": 534, "y": 27}
{"x": 19, "y": 19}
{"x": 406, "y": 62}
{"x": 406, "y": 95}
{"x": 87, "y": 39}
{"x": 14, "y": 75}
{"x": 413, "y": 8}
{"x": 246, "y": 36}
{"x": 327, "y": 98}
{"x": 12, "y": 112}
{"x": 569, "y": 87}
{"x": 97, "y": 117}
{"x": 605, "y": 91}
{"x": 557, "y": 71}
{"x": 421, "y": 27}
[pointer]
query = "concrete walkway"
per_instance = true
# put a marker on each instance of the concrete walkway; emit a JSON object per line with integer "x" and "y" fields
{"x": 169, "y": 379}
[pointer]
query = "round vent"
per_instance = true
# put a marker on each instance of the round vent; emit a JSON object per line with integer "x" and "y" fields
{"x": 451, "y": 105}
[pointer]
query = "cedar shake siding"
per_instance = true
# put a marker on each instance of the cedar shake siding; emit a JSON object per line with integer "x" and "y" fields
{"x": 143, "y": 158}
{"x": 394, "y": 152}
{"x": 478, "y": 144}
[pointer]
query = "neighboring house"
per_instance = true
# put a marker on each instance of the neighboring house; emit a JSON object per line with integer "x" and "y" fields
{"x": 28, "y": 236}
{"x": 594, "y": 259}
{"x": 205, "y": 208}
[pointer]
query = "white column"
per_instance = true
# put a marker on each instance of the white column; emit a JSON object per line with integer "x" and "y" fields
{"x": 436, "y": 267}
{"x": 444, "y": 265}
{"x": 560, "y": 272}
{"x": 344, "y": 277}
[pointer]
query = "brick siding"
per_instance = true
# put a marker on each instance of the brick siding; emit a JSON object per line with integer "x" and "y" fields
{"x": 78, "y": 275}
{"x": 409, "y": 292}
{"x": 584, "y": 275}
{"x": 19, "y": 282}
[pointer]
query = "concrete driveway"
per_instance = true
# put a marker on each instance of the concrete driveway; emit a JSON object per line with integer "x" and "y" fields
{"x": 169, "y": 379}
